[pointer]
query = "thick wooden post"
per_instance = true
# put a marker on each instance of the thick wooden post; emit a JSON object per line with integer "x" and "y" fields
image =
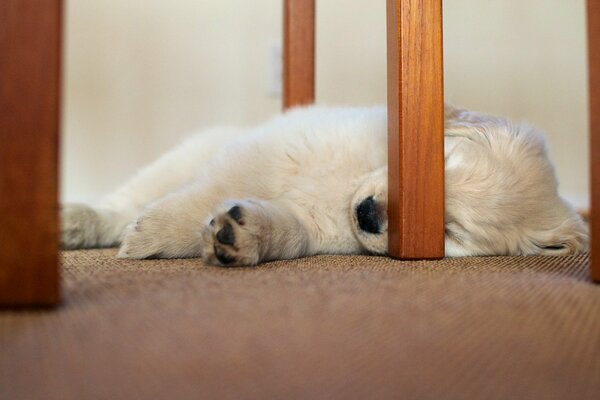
{"x": 298, "y": 53}
{"x": 593, "y": 16}
{"x": 30, "y": 33}
{"x": 415, "y": 129}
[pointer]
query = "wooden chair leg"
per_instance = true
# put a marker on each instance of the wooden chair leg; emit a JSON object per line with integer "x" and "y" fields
{"x": 415, "y": 129}
{"x": 593, "y": 15}
{"x": 29, "y": 116}
{"x": 298, "y": 53}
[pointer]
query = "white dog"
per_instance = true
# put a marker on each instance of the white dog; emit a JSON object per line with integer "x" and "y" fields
{"x": 314, "y": 181}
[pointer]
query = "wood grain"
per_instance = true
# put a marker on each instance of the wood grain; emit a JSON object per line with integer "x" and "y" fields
{"x": 593, "y": 10}
{"x": 298, "y": 53}
{"x": 30, "y": 33}
{"x": 415, "y": 129}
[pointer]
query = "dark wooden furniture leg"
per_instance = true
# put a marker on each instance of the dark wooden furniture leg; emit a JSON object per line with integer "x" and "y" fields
{"x": 593, "y": 16}
{"x": 415, "y": 129}
{"x": 30, "y": 32}
{"x": 298, "y": 53}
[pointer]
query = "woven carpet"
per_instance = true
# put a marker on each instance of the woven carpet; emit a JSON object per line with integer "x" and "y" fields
{"x": 326, "y": 327}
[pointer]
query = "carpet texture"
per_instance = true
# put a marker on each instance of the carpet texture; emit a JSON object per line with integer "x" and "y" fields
{"x": 326, "y": 327}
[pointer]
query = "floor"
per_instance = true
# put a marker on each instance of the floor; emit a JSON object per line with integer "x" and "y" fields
{"x": 320, "y": 327}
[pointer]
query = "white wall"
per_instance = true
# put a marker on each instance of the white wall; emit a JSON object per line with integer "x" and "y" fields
{"x": 140, "y": 74}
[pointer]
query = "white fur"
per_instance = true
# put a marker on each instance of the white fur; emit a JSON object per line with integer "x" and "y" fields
{"x": 297, "y": 181}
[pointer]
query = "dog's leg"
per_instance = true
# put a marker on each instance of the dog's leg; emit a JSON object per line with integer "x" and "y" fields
{"x": 173, "y": 170}
{"x": 83, "y": 226}
{"x": 197, "y": 222}
{"x": 103, "y": 224}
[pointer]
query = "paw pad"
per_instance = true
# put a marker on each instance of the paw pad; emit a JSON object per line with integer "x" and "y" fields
{"x": 223, "y": 257}
{"x": 226, "y": 235}
{"x": 235, "y": 213}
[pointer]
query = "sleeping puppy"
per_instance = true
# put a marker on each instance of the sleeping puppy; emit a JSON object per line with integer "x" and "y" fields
{"x": 314, "y": 181}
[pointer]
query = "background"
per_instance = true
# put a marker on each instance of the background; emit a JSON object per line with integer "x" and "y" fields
{"x": 143, "y": 74}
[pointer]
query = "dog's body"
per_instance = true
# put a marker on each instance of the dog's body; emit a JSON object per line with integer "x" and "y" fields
{"x": 314, "y": 180}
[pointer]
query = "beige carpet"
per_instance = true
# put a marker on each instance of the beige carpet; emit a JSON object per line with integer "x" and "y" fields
{"x": 318, "y": 328}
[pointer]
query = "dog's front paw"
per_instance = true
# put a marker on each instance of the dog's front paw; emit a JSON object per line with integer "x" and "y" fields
{"x": 140, "y": 241}
{"x": 232, "y": 235}
{"x": 160, "y": 233}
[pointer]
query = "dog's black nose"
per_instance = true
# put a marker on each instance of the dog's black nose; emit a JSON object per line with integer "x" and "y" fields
{"x": 366, "y": 215}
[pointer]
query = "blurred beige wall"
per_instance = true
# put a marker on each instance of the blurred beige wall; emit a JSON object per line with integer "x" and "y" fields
{"x": 141, "y": 74}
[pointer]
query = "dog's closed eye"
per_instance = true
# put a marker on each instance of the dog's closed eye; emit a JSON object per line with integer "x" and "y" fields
{"x": 553, "y": 247}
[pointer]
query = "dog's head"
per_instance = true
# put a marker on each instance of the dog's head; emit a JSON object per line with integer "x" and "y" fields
{"x": 546, "y": 225}
{"x": 368, "y": 211}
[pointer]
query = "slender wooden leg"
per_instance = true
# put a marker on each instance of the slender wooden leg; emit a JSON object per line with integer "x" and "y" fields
{"x": 593, "y": 15}
{"x": 298, "y": 53}
{"x": 415, "y": 129}
{"x": 30, "y": 33}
